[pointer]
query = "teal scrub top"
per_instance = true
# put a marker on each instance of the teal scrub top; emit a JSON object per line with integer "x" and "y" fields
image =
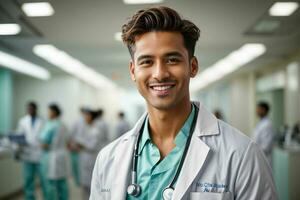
{"x": 49, "y": 131}
{"x": 154, "y": 176}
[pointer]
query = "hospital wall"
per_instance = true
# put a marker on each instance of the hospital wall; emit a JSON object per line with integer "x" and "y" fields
{"x": 234, "y": 98}
{"x": 292, "y": 95}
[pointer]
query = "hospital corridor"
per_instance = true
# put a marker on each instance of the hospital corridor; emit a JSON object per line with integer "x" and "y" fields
{"x": 149, "y": 99}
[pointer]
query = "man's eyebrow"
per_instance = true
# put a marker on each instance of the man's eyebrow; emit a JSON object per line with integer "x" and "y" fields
{"x": 143, "y": 57}
{"x": 175, "y": 53}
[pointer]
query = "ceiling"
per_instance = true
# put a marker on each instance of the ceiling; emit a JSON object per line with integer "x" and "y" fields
{"x": 85, "y": 30}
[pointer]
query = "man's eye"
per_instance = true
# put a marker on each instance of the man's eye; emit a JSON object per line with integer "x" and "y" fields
{"x": 172, "y": 60}
{"x": 145, "y": 62}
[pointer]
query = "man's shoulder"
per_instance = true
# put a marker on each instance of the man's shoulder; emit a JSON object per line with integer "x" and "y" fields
{"x": 111, "y": 148}
{"x": 232, "y": 138}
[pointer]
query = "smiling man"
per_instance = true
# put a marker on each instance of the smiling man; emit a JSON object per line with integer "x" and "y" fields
{"x": 177, "y": 150}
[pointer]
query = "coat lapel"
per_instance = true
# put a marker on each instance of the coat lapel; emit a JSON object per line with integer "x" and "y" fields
{"x": 123, "y": 163}
{"x": 198, "y": 151}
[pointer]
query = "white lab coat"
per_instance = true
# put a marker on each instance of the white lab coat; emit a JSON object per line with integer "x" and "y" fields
{"x": 31, "y": 152}
{"x": 105, "y": 137}
{"x": 77, "y": 127}
{"x": 93, "y": 139}
{"x": 264, "y": 135}
{"x": 221, "y": 163}
{"x": 58, "y": 156}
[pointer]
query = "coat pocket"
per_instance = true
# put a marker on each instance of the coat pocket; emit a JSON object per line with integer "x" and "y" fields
{"x": 210, "y": 196}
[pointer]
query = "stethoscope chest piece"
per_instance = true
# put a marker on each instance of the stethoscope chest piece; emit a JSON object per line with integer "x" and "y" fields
{"x": 134, "y": 190}
{"x": 168, "y": 193}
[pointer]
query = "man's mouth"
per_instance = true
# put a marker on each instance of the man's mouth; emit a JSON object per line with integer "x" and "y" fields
{"x": 162, "y": 89}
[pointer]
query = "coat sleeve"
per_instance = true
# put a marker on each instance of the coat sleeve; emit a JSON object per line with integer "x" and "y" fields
{"x": 20, "y": 128}
{"x": 254, "y": 179}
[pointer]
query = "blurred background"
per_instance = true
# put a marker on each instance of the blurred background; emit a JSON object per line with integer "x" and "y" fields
{"x": 69, "y": 53}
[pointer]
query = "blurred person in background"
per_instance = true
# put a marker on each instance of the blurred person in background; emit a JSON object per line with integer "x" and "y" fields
{"x": 54, "y": 158}
{"x": 88, "y": 143}
{"x": 30, "y": 125}
{"x": 263, "y": 133}
{"x": 218, "y": 114}
{"x": 77, "y": 129}
{"x": 103, "y": 127}
{"x": 122, "y": 125}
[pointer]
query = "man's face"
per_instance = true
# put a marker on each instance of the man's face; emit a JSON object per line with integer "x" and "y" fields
{"x": 51, "y": 114}
{"x": 260, "y": 111}
{"x": 88, "y": 118}
{"x": 161, "y": 69}
{"x": 31, "y": 110}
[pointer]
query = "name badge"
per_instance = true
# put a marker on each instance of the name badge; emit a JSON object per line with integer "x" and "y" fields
{"x": 211, "y": 187}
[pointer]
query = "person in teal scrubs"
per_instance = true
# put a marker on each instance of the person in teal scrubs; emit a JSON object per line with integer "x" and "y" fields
{"x": 53, "y": 162}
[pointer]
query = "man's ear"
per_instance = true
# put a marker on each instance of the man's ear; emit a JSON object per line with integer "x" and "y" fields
{"x": 131, "y": 70}
{"x": 194, "y": 67}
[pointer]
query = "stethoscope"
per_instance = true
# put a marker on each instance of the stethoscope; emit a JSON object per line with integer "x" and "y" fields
{"x": 134, "y": 189}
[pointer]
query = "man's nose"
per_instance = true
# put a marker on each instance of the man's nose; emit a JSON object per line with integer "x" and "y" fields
{"x": 160, "y": 71}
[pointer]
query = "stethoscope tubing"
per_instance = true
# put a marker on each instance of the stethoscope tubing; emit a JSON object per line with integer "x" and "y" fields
{"x": 136, "y": 155}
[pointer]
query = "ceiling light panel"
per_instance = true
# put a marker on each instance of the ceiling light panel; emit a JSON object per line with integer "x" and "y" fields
{"x": 283, "y": 8}
{"x": 142, "y": 1}
{"x": 38, "y": 9}
{"x": 72, "y": 66}
{"x": 23, "y": 66}
{"x": 227, "y": 65}
{"x": 10, "y": 29}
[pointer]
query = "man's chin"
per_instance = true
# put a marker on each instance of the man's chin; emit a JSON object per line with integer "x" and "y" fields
{"x": 162, "y": 105}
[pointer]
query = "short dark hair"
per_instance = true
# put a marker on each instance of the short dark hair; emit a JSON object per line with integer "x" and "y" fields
{"x": 160, "y": 19}
{"x": 121, "y": 114}
{"x": 264, "y": 105}
{"x": 99, "y": 112}
{"x": 32, "y": 104}
{"x": 92, "y": 113}
{"x": 54, "y": 107}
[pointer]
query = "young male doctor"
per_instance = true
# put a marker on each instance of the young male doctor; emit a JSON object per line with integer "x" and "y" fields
{"x": 177, "y": 150}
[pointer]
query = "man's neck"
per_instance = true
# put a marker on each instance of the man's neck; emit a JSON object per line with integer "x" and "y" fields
{"x": 164, "y": 125}
{"x": 33, "y": 116}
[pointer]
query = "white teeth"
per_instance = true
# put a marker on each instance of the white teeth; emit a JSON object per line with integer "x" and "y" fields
{"x": 160, "y": 88}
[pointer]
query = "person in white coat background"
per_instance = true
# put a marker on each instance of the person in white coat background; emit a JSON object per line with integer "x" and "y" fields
{"x": 88, "y": 142}
{"x": 264, "y": 133}
{"x": 122, "y": 125}
{"x": 103, "y": 127}
{"x": 77, "y": 129}
{"x": 177, "y": 150}
{"x": 31, "y": 125}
